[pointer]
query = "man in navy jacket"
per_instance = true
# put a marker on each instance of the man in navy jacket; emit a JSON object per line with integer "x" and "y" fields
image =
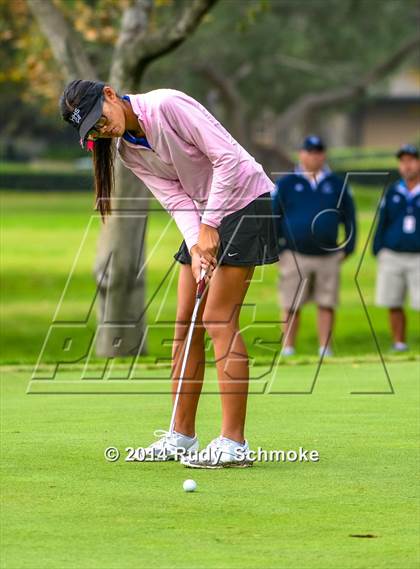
{"x": 310, "y": 205}
{"x": 397, "y": 244}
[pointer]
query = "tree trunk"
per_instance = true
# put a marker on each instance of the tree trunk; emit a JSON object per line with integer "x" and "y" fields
{"x": 119, "y": 267}
{"x": 120, "y": 272}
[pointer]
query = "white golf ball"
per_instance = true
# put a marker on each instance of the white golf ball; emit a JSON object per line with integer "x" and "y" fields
{"x": 189, "y": 485}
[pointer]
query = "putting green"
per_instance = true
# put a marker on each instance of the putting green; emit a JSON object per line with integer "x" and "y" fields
{"x": 65, "y": 506}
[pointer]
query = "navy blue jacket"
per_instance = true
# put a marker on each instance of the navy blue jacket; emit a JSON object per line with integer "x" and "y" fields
{"x": 393, "y": 230}
{"x": 309, "y": 217}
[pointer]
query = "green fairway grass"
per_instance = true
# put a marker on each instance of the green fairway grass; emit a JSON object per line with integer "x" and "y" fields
{"x": 42, "y": 235}
{"x": 64, "y": 506}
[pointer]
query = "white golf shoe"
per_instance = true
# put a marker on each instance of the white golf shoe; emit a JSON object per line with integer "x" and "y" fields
{"x": 220, "y": 453}
{"x": 171, "y": 446}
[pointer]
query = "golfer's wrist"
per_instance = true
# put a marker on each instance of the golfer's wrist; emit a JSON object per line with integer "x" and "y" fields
{"x": 206, "y": 228}
{"x": 208, "y": 224}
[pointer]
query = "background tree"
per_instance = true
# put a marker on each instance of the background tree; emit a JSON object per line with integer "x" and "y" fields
{"x": 144, "y": 36}
{"x": 277, "y": 63}
{"x": 272, "y": 51}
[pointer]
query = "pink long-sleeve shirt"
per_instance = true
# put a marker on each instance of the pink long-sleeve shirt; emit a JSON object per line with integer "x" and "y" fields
{"x": 195, "y": 169}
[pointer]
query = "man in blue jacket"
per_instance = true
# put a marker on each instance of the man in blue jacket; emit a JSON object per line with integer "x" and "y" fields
{"x": 397, "y": 244}
{"x": 310, "y": 205}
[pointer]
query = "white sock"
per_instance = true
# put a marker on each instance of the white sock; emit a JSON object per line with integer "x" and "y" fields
{"x": 182, "y": 435}
{"x": 235, "y": 442}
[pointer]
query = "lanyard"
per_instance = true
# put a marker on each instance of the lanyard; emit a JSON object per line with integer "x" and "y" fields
{"x": 409, "y": 195}
{"x": 314, "y": 182}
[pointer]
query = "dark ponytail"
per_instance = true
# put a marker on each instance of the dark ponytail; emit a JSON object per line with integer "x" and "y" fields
{"x": 103, "y": 148}
{"x": 103, "y": 165}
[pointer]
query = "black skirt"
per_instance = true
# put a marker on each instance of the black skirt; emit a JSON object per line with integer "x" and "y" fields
{"x": 247, "y": 236}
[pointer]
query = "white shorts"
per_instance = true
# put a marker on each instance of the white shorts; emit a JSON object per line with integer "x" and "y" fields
{"x": 307, "y": 278}
{"x": 397, "y": 273}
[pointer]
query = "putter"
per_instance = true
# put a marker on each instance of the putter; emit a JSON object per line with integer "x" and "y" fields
{"x": 200, "y": 290}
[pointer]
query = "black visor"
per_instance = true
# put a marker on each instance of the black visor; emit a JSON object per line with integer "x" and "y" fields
{"x": 89, "y": 110}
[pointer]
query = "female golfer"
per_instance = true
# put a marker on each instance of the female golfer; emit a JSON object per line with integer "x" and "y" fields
{"x": 219, "y": 197}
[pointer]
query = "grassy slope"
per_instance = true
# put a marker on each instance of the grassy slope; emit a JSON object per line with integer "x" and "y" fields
{"x": 66, "y": 507}
{"x": 41, "y": 235}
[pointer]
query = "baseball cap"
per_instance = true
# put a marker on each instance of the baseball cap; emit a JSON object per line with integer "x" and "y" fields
{"x": 81, "y": 105}
{"x": 409, "y": 149}
{"x": 313, "y": 143}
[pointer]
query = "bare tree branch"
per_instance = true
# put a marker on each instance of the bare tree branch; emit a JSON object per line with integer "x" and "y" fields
{"x": 296, "y": 112}
{"x": 239, "y": 124}
{"x": 64, "y": 41}
{"x": 173, "y": 35}
{"x": 137, "y": 46}
{"x": 232, "y": 98}
{"x": 329, "y": 70}
{"x": 281, "y": 156}
{"x": 133, "y": 32}
{"x": 312, "y": 101}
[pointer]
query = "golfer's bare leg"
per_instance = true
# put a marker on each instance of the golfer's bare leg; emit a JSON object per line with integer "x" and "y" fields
{"x": 194, "y": 373}
{"x": 227, "y": 290}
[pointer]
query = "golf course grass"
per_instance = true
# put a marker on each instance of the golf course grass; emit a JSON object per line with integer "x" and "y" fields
{"x": 43, "y": 235}
{"x": 65, "y": 506}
